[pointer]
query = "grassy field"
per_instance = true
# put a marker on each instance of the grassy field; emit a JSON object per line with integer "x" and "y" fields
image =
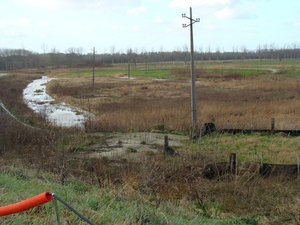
{"x": 242, "y": 93}
{"x": 156, "y": 189}
{"x": 108, "y": 205}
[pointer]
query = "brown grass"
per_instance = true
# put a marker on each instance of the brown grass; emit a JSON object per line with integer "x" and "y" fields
{"x": 138, "y": 104}
{"x": 245, "y": 102}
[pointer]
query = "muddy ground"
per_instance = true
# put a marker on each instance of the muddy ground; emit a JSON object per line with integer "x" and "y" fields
{"x": 133, "y": 145}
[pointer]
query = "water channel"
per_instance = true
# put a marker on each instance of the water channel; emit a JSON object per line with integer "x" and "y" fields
{"x": 57, "y": 113}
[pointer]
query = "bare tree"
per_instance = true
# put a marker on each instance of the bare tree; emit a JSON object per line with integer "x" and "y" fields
{"x": 201, "y": 52}
{"x": 185, "y": 50}
{"x": 208, "y": 51}
{"x": 244, "y": 52}
{"x": 258, "y": 52}
{"x": 71, "y": 56}
{"x": 144, "y": 54}
{"x": 4, "y": 55}
{"x": 45, "y": 49}
{"x": 112, "y": 50}
{"x": 265, "y": 50}
{"x": 129, "y": 60}
{"x": 295, "y": 50}
{"x": 135, "y": 55}
{"x": 218, "y": 53}
{"x": 161, "y": 55}
{"x": 235, "y": 51}
{"x": 54, "y": 56}
{"x": 272, "y": 48}
{"x": 79, "y": 53}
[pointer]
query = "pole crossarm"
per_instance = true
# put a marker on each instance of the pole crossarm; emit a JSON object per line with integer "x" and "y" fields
{"x": 192, "y": 21}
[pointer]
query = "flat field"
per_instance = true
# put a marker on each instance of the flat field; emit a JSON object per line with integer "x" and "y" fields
{"x": 237, "y": 94}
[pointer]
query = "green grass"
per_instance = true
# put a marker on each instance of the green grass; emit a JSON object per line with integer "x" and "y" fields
{"x": 101, "y": 206}
{"x": 244, "y": 64}
{"x": 236, "y": 67}
{"x": 104, "y": 72}
{"x": 231, "y": 71}
{"x": 153, "y": 73}
{"x": 249, "y": 148}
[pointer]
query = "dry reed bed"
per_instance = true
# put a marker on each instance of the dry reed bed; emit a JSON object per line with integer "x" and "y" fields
{"x": 246, "y": 102}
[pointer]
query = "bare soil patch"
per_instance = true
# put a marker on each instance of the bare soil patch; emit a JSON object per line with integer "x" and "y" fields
{"x": 133, "y": 145}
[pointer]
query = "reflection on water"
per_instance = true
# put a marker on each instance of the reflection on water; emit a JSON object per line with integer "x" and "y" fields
{"x": 59, "y": 114}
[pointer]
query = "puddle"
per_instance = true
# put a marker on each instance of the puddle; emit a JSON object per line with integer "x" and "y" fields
{"x": 59, "y": 114}
{"x": 126, "y": 77}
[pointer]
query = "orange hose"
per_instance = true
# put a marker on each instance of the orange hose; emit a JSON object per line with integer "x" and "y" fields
{"x": 26, "y": 204}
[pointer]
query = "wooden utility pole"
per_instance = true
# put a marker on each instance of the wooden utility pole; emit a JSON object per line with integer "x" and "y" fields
{"x": 129, "y": 55}
{"x": 193, "y": 87}
{"x": 93, "y": 69}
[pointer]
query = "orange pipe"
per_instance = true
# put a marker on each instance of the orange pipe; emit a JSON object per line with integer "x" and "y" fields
{"x": 26, "y": 204}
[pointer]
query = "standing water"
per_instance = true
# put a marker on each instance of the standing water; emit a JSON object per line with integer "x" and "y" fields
{"x": 59, "y": 114}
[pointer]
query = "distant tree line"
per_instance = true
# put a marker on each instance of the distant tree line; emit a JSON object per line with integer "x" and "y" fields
{"x": 11, "y": 59}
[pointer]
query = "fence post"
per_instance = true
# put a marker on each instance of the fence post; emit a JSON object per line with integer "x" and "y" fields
{"x": 228, "y": 125}
{"x": 272, "y": 125}
{"x": 194, "y": 132}
{"x": 298, "y": 165}
{"x": 261, "y": 164}
{"x": 166, "y": 144}
{"x": 128, "y": 70}
{"x": 213, "y": 121}
{"x": 232, "y": 163}
{"x": 191, "y": 133}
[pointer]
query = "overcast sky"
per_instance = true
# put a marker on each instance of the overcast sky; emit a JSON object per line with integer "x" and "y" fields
{"x": 147, "y": 25}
